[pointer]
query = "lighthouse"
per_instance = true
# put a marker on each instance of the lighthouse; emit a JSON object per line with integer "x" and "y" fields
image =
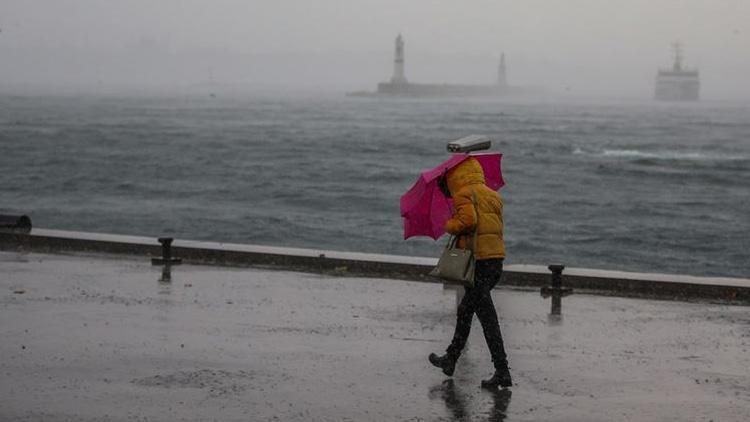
{"x": 502, "y": 78}
{"x": 398, "y": 62}
{"x": 399, "y": 86}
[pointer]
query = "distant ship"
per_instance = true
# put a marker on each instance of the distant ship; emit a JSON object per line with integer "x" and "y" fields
{"x": 400, "y": 86}
{"x": 678, "y": 83}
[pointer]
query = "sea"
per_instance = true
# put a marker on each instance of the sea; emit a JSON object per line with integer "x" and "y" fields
{"x": 619, "y": 185}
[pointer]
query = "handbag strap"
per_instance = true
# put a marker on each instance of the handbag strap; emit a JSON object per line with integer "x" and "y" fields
{"x": 476, "y": 221}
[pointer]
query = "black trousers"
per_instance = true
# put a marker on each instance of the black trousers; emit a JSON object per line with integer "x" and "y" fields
{"x": 478, "y": 300}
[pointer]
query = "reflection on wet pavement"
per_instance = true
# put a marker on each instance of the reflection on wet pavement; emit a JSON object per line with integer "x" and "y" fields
{"x": 99, "y": 338}
{"x": 456, "y": 403}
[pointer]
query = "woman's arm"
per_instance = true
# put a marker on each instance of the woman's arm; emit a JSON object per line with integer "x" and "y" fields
{"x": 464, "y": 217}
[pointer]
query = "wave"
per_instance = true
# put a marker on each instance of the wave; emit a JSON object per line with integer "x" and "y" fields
{"x": 664, "y": 155}
{"x": 328, "y": 174}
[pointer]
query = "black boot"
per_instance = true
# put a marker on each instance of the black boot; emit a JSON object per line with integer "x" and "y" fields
{"x": 446, "y": 363}
{"x": 501, "y": 378}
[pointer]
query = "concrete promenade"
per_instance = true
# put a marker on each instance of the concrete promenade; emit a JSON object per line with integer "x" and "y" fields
{"x": 90, "y": 338}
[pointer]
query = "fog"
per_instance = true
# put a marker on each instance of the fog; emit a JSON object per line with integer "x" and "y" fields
{"x": 571, "y": 47}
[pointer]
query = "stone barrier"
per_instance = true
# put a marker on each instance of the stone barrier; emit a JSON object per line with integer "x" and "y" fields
{"x": 659, "y": 286}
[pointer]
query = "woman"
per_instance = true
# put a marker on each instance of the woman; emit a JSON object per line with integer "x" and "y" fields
{"x": 477, "y": 206}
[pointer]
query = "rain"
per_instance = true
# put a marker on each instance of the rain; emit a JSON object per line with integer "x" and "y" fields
{"x": 293, "y": 211}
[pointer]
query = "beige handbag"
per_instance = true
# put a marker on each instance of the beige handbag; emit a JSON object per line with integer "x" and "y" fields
{"x": 456, "y": 266}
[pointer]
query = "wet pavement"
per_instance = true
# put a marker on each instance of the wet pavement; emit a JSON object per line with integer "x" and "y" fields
{"x": 100, "y": 338}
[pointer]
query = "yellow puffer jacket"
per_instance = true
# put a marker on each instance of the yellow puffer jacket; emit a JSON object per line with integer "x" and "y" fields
{"x": 463, "y": 180}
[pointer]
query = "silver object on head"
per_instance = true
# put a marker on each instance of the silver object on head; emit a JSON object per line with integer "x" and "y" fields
{"x": 470, "y": 143}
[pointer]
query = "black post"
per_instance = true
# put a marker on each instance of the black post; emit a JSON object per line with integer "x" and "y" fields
{"x": 556, "y": 280}
{"x": 166, "y": 274}
{"x": 166, "y": 248}
{"x": 166, "y": 253}
{"x": 555, "y": 289}
{"x": 15, "y": 223}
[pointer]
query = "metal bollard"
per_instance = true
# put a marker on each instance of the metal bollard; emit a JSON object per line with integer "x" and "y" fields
{"x": 15, "y": 223}
{"x": 555, "y": 289}
{"x": 167, "y": 260}
{"x": 166, "y": 253}
{"x": 166, "y": 274}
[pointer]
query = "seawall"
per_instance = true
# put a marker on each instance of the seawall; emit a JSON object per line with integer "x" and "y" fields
{"x": 618, "y": 283}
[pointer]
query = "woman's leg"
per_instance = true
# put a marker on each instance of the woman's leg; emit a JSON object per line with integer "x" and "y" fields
{"x": 464, "y": 315}
{"x": 488, "y": 275}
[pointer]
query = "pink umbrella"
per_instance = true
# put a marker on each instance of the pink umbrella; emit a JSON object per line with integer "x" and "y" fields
{"x": 424, "y": 207}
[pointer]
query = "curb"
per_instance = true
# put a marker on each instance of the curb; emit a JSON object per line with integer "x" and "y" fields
{"x": 616, "y": 283}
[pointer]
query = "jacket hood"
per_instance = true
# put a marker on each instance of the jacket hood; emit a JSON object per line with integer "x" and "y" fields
{"x": 469, "y": 172}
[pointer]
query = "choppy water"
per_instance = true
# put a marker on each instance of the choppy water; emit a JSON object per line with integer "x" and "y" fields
{"x": 631, "y": 186}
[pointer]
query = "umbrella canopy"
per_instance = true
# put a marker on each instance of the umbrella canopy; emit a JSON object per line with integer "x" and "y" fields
{"x": 424, "y": 207}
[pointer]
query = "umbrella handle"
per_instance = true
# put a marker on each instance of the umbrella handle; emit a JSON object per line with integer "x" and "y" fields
{"x": 443, "y": 184}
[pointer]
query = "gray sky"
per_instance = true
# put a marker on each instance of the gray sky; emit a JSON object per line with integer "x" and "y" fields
{"x": 587, "y": 47}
